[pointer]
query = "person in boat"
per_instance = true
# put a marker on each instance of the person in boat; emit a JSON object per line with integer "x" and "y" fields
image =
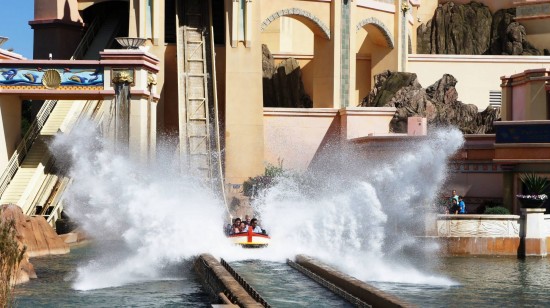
{"x": 254, "y": 226}
{"x": 242, "y": 226}
{"x": 246, "y": 220}
{"x": 236, "y": 225}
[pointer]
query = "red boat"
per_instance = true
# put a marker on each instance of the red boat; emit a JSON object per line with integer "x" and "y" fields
{"x": 250, "y": 239}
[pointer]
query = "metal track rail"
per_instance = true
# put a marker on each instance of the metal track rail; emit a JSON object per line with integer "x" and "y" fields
{"x": 245, "y": 284}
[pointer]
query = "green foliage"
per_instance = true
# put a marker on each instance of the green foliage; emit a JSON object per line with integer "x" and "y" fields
{"x": 26, "y": 117}
{"x": 497, "y": 210}
{"x": 535, "y": 184}
{"x": 254, "y": 186}
{"x": 10, "y": 256}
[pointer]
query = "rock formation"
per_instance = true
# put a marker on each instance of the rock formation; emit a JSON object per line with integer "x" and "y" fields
{"x": 37, "y": 235}
{"x": 471, "y": 29}
{"x": 438, "y": 103}
{"x": 282, "y": 85}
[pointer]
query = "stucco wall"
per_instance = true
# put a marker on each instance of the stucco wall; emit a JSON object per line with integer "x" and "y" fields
{"x": 474, "y": 83}
{"x": 477, "y": 185}
{"x": 295, "y": 135}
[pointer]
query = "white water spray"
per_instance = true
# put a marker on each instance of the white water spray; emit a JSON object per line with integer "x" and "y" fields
{"x": 147, "y": 218}
{"x": 143, "y": 218}
{"x": 359, "y": 214}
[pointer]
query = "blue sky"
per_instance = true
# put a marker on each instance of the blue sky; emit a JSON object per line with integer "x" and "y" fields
{"x": 14, "y": 24}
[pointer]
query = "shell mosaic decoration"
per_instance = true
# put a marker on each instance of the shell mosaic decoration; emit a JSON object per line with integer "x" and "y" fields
{"x": 51, "y": 78}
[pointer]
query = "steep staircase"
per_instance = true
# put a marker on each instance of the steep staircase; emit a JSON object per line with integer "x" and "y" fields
{"x": 30, "y": 186}
{"x": 30, "y": 180}
{"x": 197, "y": 107}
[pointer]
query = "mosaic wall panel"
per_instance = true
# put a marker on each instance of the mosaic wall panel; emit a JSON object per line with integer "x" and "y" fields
{"x": 51, "y": 77}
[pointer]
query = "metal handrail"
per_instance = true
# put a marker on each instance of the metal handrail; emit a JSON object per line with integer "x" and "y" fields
{"x": 25, "y": 144}
{"x": 219, "y": 166}
{"x": 88, "y": 37}
{"x": 43, "y": 114}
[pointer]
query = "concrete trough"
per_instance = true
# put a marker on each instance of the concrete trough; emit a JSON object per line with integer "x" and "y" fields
{"x": 216, "y": 279}
{"x": 359, "y": 289}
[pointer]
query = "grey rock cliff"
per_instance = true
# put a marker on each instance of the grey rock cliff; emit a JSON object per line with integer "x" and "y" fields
{"x": 438, "y": 103}
{"x": 471, "y": 29}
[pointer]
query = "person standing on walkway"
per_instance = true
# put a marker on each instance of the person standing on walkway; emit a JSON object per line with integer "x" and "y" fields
{"x": 461, "y": 205}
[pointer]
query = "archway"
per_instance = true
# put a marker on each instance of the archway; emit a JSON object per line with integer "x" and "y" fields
{"x": 374, "y": 42}
{"x": 299, "y": 34}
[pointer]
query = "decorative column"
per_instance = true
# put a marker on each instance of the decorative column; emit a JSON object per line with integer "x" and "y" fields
{"x": 403, "y": 45}
{"x": 532, "y": 233}
{"x": 248, "y": 24}
{"x": 345, "y": 54}
{"x": 120, "y": 110}
{"x": 134, "y": 107}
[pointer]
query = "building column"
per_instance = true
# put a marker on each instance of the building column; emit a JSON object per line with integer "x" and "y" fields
{"x": 244, "y": 130}
{"x": 141, "y": 107}
{"x": 10, "y": 118}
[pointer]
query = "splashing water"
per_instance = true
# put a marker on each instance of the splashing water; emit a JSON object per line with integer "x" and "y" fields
{"x": 361, "y": 215}
{"x": 146, "y": 218}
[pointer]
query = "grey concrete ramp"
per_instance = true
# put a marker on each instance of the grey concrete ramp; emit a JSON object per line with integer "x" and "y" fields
{"x": 216, "y": 279}
{"x": 359, "y": 289}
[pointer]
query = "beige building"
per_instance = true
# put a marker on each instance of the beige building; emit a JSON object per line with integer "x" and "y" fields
{"x": 340, "y": 45}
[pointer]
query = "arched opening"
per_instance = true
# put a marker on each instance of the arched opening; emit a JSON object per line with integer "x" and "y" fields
{"x": 297, "y": 34}
{"x": 374, "y": 43}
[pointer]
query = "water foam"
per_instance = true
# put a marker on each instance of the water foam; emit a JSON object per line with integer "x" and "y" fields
{"x": 143, "y": 218}
{"x": 358, "y": 215}
{"x": 361, "y": 215}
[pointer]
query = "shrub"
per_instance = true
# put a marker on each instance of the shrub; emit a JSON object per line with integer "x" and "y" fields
{"x": 534, "y": 184}
{"x": 10, "y": 257}
{"x": 254, "y": 186}
{"x": 497, "y": 210}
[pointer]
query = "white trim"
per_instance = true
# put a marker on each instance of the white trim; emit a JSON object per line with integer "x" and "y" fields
{"x": 477, "y": 58}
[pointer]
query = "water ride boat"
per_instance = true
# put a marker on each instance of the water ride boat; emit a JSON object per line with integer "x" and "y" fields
{"x": 250, "y": 239}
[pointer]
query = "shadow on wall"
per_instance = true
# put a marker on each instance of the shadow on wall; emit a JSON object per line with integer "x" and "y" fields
{"x": 283, "y": 85}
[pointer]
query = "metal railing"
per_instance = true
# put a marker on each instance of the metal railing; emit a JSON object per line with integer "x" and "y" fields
{"x": 255, "y": 295}
{"x": 88, "y": 37}
{"x": 44, "y": 113}
{"x": 25, "y": 144}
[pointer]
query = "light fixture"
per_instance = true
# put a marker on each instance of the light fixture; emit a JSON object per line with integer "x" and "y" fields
{"x": 3, "y": 39}
{"x": 130, "y": 42}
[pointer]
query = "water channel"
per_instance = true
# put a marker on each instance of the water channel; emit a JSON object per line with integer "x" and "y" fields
{"x": 480, "y": 282}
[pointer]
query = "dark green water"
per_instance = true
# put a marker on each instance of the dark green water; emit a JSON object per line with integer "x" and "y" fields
{"x": 56, "y": 274}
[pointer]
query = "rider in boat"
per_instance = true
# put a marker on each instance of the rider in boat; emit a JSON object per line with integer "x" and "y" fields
{"x": 254, "y": 226}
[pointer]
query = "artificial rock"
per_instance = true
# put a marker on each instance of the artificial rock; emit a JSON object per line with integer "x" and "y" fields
{"x": 471, "y": 29}
{"x": 438, "y": 103}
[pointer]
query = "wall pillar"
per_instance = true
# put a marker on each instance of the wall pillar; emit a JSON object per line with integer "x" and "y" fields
{"x": 142, "y": 103}
{"x": 532, "y": 233}
{"x": 244, "y": 129}
{"x": 10, "y": 118}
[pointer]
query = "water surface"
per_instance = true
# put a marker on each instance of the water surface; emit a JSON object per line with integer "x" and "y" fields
{"x": 56, "y": 274}
{"x": 483, "y": 282}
